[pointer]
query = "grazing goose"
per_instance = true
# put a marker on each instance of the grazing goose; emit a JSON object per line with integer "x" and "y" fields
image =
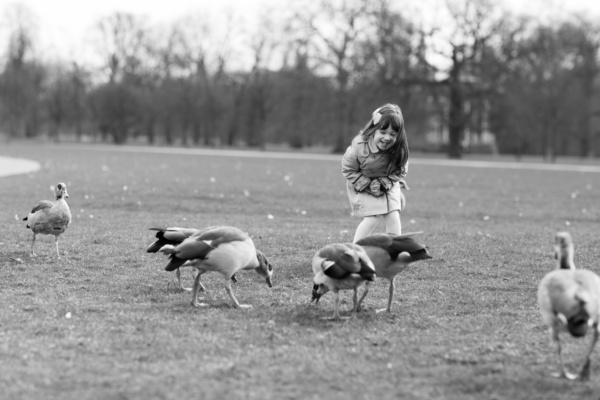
{"x": 224, "y": 249}
{"x": 174, "y": 236}
{"x": 50, "y": 218}
{"x": 341, "y": 266}
{"x": 391, "y": 254}
{"x": 570, "y": 298}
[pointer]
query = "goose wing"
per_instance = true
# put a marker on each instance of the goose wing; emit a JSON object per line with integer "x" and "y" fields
{"x": 41, "y": 205}
{"x": 396, "y": 244}
{"x": 172, "y": 236}
{"x": 340, "y": 260}
{"x": 221, "y": 234}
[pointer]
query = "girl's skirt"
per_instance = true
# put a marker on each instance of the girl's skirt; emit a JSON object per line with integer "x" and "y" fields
{"x": 363, "y": 204}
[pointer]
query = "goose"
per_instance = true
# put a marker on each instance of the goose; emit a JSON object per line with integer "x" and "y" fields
{"x": 391, "y": 254}
{"x": 174, "y": 236}
{"x": 341, "y": 266}
{"x": 50, "y": 218}
{"x": 569, "y": 298}
{"x": 224, "y": 249}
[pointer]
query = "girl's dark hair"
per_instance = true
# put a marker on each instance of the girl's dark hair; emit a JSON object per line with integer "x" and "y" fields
{"x": 382, "y": 118}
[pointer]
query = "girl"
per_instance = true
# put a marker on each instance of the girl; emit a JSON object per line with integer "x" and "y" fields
{"x": 374, "y": 165}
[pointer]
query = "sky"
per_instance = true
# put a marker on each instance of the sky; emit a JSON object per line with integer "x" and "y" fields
{"x": 64, "y": 25}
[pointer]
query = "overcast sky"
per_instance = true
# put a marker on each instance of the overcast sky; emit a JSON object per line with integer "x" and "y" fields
{"x": 63, "y": 25}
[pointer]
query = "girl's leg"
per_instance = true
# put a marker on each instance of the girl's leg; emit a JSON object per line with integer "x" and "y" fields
{"x": 366, "y": 227}
{"x": 393, "y": 223}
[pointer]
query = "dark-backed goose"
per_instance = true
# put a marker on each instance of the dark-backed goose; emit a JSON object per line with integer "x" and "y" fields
{"x": 391, "y": 254}
{"x": 341, "y": 266}
{"x": 224, "y": 249}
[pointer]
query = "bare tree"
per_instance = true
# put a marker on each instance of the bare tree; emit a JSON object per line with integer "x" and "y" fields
{"x": 337, "y": 28}
{"x": 122, "y": 43}
{"x": 22, "y": 79}
{"x": 472, "y": 27}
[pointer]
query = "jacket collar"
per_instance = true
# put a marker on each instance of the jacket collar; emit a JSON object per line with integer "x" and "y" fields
{"x": 372, "y": 146}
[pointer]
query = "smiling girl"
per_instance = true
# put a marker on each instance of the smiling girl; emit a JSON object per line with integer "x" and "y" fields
{"x": 374, "y": 166}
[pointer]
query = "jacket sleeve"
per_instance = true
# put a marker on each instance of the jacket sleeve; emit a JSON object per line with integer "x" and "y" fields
{"x": 388, "y": 181}
{"x": 351, "y": 170}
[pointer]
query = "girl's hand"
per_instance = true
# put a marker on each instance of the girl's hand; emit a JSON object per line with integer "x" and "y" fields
{"x": 375, "y": 186}
{"x": 403, "y": 184}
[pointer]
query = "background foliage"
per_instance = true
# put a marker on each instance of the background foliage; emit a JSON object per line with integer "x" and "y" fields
{"x": 310, "y": 74}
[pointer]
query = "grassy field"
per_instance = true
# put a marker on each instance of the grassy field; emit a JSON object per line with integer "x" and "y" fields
{"x": 465, "y": 325}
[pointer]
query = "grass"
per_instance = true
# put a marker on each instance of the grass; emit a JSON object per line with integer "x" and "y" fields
{"x": 465, "y": 325}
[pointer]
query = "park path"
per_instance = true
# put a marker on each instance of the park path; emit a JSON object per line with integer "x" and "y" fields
{"x": 338, "y": 158}
{"x": 15, "y": 166}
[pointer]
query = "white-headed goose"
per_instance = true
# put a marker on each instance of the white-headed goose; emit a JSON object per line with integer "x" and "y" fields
{"x": 391, "y": 254}
{"x": 341, "y": 266}
{"x": 570, "y": 298}
{"x": 224, "y": 249}
{"x": 174, "y": 236}
{"x": 50, "y": 218}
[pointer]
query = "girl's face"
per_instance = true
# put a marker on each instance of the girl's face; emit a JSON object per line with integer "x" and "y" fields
{"x": 385, "y": 138}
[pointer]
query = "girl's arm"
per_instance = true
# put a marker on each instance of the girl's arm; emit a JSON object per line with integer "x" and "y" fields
{"x": 388, "y": 181}
{"x": 351, "y": 170}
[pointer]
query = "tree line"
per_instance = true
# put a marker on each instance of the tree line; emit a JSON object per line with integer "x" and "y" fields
{"x": 311, "y": 73}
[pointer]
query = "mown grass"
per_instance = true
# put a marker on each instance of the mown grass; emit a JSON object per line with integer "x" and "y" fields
{"x": 465, "y": 325}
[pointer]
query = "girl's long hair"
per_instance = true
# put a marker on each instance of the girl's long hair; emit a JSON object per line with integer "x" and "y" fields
{"x": 391, "y": 115}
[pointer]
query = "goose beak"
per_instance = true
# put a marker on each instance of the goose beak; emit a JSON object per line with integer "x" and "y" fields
{"x": 269, "y": 281}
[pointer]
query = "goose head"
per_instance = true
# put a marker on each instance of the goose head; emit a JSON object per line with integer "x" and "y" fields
{"x": 60, "y": 190}
{"x": 563, "y": 250}
{"x": 265, "y": 268}
{"x": 318, "y": 291}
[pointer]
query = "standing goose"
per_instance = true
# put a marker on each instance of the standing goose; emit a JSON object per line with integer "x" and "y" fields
{"x": 341, "y": 266}
{"x": 174, "y": 236}
{"x": 50, "y": 218}
{"x": 391, "y": 254}
{"x": 225, "y": 249}
{"x": 570, "y": 298}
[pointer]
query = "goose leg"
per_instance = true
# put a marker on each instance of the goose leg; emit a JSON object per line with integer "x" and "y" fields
{"x": 336, "y": 309}
{"x": 178, "y": 272}
{"x": 563, "y": 370}
{"x": 56, "y": 244}
{"x": 584, "y": 375}
{"x": 390, "y": 298}
{"x": 236, "y": 304}
{"x": 354, "y": 303}
{"x": 363, "y": 296}
{"x": 31, "y": 253}
{"x": 197, "y": 287}
{"x": 357, "y": 301}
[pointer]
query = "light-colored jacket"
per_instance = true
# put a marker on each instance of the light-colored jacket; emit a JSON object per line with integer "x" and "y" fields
{"x": 361, "y": 163}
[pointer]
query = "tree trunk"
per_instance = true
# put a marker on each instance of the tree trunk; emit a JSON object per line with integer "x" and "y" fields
{"x": 456, "y": 124}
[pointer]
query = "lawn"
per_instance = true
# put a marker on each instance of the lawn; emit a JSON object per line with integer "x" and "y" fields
{"x": 105, "y": 321}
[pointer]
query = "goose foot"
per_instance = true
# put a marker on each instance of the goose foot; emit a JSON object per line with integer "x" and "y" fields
{"x": 584, "y": 375}
{"x": 565, "y": 374}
